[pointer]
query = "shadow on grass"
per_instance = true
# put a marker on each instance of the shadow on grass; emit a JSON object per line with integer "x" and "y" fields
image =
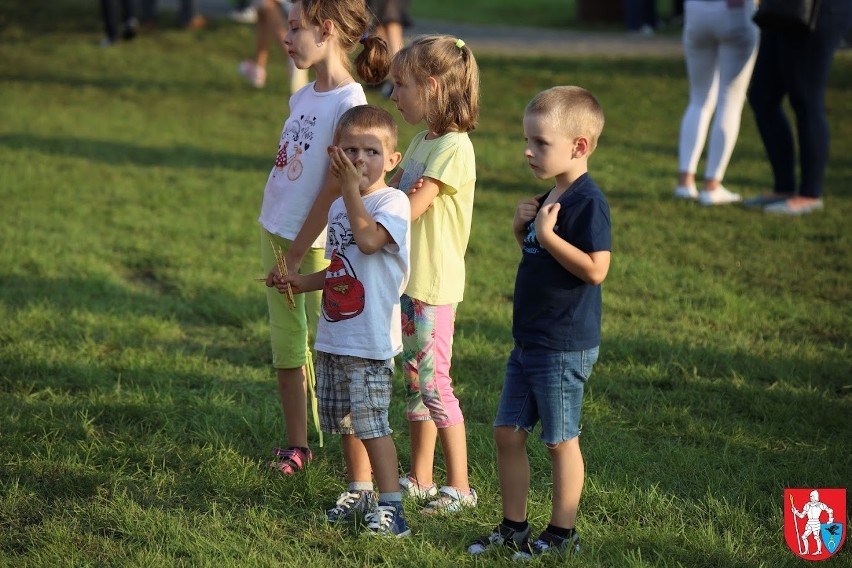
{"x": 116, "y": 153}
{"x": 689, "y": 417}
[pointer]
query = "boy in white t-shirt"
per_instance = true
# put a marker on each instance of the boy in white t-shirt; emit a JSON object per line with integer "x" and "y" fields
{"x": 360, "y": 329}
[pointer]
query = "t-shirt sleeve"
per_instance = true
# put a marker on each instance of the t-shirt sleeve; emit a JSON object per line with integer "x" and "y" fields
{"x": 394, "y": 214}
{"x": 598, "y": 235}
{"x": 592, "y": 230}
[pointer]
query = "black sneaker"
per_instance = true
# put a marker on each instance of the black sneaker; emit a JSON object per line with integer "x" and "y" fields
{"x": 549, "y": 543}
{"x": 502, "y": 536}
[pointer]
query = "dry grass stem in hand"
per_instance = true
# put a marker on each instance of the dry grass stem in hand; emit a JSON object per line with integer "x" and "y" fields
{"x": 282, "y": 269}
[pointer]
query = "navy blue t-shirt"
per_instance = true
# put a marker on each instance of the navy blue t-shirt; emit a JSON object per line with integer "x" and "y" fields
{"x": 552, "y": 307}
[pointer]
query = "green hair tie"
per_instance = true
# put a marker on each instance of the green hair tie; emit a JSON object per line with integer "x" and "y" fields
{"x": 459, "y": 43}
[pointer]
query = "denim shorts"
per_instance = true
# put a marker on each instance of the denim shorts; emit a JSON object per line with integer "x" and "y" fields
{"x": 353, "y": 395}
{"x": 545, "y": 385}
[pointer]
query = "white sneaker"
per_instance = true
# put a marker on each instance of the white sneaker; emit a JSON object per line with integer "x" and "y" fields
{"x": 252, "y": 73}
{"x": 248, "y": 15}
{"x": 686, "y": 192}
{"x": 718, "y": 196}
{"x": 409, "y": 487}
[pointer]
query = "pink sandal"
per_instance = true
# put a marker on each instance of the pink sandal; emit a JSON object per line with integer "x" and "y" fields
{"x": 290, "y": 460}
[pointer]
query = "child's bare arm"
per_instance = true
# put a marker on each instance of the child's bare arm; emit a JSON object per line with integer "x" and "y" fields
{"x": 421, "y": 200}
{"x": 299, "y": 283}
{"x": 314, "y": 223}
{"x": 590, "y": 267}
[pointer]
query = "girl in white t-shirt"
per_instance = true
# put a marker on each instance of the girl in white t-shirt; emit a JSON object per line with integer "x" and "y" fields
{"x": 321, "y": 35}
{"x": 436, "y": 81}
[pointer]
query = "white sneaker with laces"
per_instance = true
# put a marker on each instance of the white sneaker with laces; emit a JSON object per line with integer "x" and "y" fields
{"x": 349, "y": 504}
{"x": 718, "y": 196}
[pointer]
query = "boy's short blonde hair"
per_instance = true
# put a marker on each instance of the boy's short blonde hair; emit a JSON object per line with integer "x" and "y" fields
{"x": 369, "y": 117}
{"x": 574, "y": 110}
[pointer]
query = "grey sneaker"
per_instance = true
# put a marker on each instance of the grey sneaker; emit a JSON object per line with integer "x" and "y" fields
{"x": 387, "y": 519}
{"x": 502, "y": 536}
{"x": 349, "y": 503}
{"x": 548, "y": 543}
{"x": 410, "y": 488}
{"x": 451, "y": 501}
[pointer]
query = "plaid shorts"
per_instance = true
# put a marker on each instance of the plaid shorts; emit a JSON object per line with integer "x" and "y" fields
{"x": 354, "y": 395}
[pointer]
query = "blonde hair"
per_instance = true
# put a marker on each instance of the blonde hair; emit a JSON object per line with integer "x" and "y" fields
{"x": 352, "y": 20}
{"x": 369, "y": 117}
{"x": 574, "y": 110}
{"x": 455, "y": 103}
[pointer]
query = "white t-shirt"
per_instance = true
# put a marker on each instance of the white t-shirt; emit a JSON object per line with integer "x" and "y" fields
{"x": 301, "y": 163}
{"x": 360, "y": 299}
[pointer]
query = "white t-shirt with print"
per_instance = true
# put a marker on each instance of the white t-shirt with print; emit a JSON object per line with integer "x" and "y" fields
{"x": 302, "y": 160}
{"x": 360, "y": 299}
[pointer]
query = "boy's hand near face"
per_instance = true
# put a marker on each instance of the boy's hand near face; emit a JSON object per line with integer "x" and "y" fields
{"x": 344, "y": 170}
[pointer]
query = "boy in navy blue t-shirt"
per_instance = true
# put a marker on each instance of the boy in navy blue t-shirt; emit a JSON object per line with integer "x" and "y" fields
{"x": 564, "y": 236}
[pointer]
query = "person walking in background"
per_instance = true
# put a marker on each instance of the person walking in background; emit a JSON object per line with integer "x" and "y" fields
{"x": 436, "y": 81}
{"x": 565, "y": 241}
{"x": 129, "y": 23}
{"x": 359, "y": 333}
{"x": 796, "y": 64}
{"x": 390, "y": 16}
{"x": 270, "y": 27}
{"x": 321, "y": 36}
{"x": 720, "y": 45}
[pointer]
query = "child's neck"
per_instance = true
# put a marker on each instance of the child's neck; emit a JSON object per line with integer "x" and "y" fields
{"x": 565, "y": 180}
{"x": 331, "y": 76}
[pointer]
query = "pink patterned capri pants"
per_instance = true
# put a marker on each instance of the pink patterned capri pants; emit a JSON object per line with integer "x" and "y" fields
{"x": 427, "y": 348}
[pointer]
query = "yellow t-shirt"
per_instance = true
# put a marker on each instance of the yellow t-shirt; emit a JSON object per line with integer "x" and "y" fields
{"x": 439, "y": 237}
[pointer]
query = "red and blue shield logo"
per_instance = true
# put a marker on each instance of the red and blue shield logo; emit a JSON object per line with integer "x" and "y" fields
{"x": 814, "y": 521}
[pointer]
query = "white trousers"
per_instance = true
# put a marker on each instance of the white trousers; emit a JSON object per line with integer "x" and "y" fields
{"x": 720, "y": 46}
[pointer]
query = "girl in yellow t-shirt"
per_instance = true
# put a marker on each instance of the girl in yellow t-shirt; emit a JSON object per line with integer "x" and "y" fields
{"x": 436, "y": 81}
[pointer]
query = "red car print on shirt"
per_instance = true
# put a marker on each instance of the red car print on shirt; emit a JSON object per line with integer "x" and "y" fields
{"x": 342, "y": 295}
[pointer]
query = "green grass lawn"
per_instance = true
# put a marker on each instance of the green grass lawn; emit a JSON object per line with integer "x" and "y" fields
{"x": 137, "y": 401}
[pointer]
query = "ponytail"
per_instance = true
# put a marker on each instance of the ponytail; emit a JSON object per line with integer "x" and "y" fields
{"x": 373, "y": 63}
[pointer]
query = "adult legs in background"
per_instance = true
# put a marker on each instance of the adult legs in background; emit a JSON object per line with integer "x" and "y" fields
{"x": 736, "y": 62}
{"x": 640, "y": 16}
{"x": 719, "y": 46}
{"x": 796, "y": 66}
{"x": 188, "y": 16}
{"x": 271, "y": 25}
{"x": 110, "y": 15}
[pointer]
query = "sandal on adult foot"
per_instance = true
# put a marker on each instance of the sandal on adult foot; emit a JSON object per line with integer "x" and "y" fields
{"x": 290, "y": 460}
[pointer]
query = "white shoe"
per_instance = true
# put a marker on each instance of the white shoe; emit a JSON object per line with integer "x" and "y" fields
{"x": 718, "y": 196}
{"x": 247, "y": 15}
{"x": 252, "y": 73}
{"x": 410, "y": 488}
{"x": 686, "y": 192}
